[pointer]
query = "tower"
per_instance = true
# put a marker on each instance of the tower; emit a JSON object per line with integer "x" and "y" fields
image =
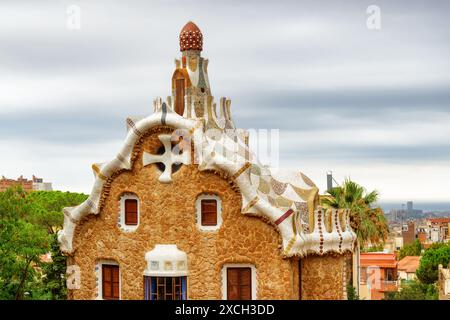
{"x": 191, "y": 92}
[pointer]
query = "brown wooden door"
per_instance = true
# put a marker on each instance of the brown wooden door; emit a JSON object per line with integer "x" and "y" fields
{"x": 111, "y": 282}
{"x": 239, "y": 284}
{"x": 179, "y": 96}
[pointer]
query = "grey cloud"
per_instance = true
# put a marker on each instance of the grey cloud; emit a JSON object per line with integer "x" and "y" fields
{"x": 262, "y": 55}
{"x": 372, "y": 155}
{"x": 304, "y": 110}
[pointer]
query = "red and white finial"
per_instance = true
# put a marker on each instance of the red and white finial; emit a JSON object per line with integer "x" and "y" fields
{"x": 191, "y": 38}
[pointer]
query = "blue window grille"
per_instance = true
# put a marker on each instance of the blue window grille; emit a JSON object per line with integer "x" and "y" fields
{"x": 165, "y": 288}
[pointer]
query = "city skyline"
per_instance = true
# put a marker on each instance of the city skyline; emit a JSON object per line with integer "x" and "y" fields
{"x": 372, "y": 105}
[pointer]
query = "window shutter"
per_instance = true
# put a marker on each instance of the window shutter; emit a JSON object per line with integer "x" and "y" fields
{"x": 209, "y": 212}
{"x": 106, "y": 277}
{"x": 179, "y": 96}
{"x": 131, "y": 211}
{"x": 245, "y": 284}
{"x": 233, "y": 284}
{"x": 239, "y": 284}
{"x": 110, "y": 282}
{"x": 115, "y": 282}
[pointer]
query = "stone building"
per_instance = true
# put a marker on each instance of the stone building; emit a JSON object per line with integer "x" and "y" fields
{"x": 186, "y": 211}
{"x": 36, "y": 184}
{"x": 379, "y": 275}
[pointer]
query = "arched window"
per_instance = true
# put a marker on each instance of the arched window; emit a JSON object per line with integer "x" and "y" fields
{"x": 165, "y": 277}
{"x": 209, "y": 212}
{"x": 129, "y": 212}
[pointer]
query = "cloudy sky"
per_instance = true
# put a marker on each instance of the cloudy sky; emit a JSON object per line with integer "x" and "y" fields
{"x": 373, "y": 105}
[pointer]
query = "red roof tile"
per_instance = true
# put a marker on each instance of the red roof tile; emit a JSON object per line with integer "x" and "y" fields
{"x": 439, "y": 220}
{"x": 409, "y": 264}
{"x": 379, "y": 259}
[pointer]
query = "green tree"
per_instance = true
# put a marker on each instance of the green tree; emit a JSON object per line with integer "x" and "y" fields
{"x": 21, "y": 244}
{"x": 367, "y": 219}
{"x": 28, "y": 226}
{"x": 376, "y": 248}
{"x": 54, "y": 281}
{"x": 430, "y": 261}
{"x": 351, "y": 293}
{"x": 413, "y": 249}
{"x": 414, "y": 290}
{"x": 47, "y": 207}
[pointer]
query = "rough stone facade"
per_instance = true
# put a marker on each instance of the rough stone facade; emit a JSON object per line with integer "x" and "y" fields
{"x": 323, "y": 277}
{"x": 168, "y": 216}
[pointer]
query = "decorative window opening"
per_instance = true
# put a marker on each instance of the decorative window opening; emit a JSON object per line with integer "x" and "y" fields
{"x": 110, "y": 282}
{"x": 165, "y": 277}
{"x": 175, "y": 166}
{"x": 165, "y": 288}
{"x": 131, "y": 212}
{"x": 209, "y": 212}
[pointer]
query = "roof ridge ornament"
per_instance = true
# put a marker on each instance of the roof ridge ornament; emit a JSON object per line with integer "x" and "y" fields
{"x": 191, "y": 38}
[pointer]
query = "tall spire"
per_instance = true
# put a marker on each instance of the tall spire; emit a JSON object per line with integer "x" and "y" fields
{"x": 191, "y": 91}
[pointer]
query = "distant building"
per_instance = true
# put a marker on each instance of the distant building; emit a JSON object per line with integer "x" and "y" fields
{"x": 404, "y": 214}
{"x": 409, "y": 233}
{"x": 438, "y": 229}
{"x": 407, "y": 267}
{"x": 28, "y": 185}
{"x": 378, "y": 275}
{"x": 409, "y": 208}
{"x": 398, "y": 243}
{"x": 444, "y": 283}
{"x": 422, "y": 235}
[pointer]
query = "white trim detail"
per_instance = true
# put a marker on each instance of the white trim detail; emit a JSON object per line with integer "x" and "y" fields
{"x": 166, "y": 260}
{"x": 121, "y": 221}
{"x": 246, "y": 173}
{"x": 198, "y": 209}
{"x": 99, "y": 278}
{"x": 239, "y": 265}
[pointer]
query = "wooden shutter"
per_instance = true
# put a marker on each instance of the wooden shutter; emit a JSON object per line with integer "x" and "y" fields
{"x": 131, "y": 212}
{"x": 239, "y": 284}
{"x": 110, "y": 282}
{"x": 179, "y": 96}
{"x": 209, "y": 212}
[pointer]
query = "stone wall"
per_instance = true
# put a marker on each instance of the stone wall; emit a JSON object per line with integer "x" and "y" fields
{"x": 323, "y": 277}
{"x": 168, "y": 216}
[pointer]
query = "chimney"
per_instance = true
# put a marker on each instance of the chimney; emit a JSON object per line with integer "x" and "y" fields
{"x": 329, "y": 180}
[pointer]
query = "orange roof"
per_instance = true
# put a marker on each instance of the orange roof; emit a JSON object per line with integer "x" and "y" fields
{"x": 439, "y": 220}
{"x": 409, "y": 264}
{"x": 379, "y": 259}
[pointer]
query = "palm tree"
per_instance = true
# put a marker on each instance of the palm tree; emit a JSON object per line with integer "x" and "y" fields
{"x": 366, "y": 218}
